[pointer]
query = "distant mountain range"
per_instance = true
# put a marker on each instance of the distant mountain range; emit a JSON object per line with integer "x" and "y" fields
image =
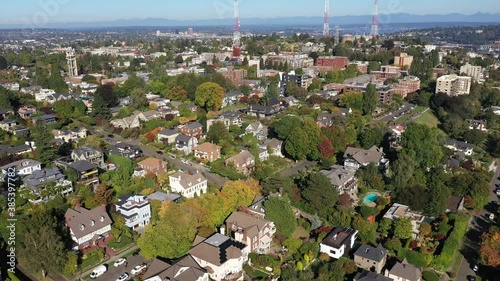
{"x": 401, "y": 18}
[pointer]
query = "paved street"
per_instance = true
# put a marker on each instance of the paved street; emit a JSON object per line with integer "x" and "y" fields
{"x": 390, "y": 117}
{"x": 479, "y": 224}
{"x": 296, "y": 168}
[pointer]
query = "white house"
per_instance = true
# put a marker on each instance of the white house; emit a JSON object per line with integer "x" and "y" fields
{"x": 223, "y": 257}
{"x": 397, "y": 211}
{"x": 185, "y": 269}
{"x": 23, "y": 167}
{"x": 185, "y": 143}
{"x": 136, "y": 209}
{"x": 43, "y": 94}
{"x": 88, "y": 228}
{"x": 339, "y": 242}
{"x": 73, "y": 135}
{"x": 168, "y": 136}
{"x": 404, "y": 271}
{"x": 466, "y": 148}
{"x": 274, "y": 146}
{"x": 188, "y": 185}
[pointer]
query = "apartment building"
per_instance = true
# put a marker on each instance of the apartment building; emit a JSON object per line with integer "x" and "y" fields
{"x": 453, "y": 85}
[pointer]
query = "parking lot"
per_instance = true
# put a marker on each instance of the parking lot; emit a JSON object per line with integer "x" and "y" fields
{"x": 114, "y": 272}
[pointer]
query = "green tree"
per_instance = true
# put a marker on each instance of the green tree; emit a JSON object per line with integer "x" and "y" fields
{"x": 292, "y": 244}
{"x": 100, "y": 109}
{"x": 403, "y": 228}
{"x": 43, "y": 138}
{"x": 438, "y": 193}
{"x": 370, "y": 99}
{"x": 285, "y": 126}
{"x": 367, "y": 231}
{"x": 297, "y": 144}
{"x": 353, "y": 100}
{"x": 138, "y": 99}
{"x": 3, "y": 63}
{"x": 56, "y": 81}
{"x": 385, "y": 226}
{"x": 177, "y": 93}
{"x": 217, "y": 133}
{"x": 279, "y": 210}
{"x": 319, "y": 193}
{"x": 42, "y": 247}
{"x": 209, "y": 95}
{"x": 422, "y": 144}
{"x": 402, "y": 172}
{"x": 373, "y": 136}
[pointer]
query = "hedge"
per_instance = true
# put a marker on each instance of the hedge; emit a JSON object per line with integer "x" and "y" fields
{"x": 452, "y": 243}
{"x": 430, "y": 276}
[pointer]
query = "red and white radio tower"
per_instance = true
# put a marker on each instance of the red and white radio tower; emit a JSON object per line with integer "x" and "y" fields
{"x": 326, "y": 24}
{"x": 237, "y": 34}
{"x": 374, "y": 31}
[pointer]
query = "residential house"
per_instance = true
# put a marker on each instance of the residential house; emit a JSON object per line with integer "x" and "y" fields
{"x": 324, "y": 119}
{"x": 134, "y": 121}
{"x": 43, "y": 94}
{"x": 244, "y": 162}
{"x": 358, "y": 157}
{"x": 90, "y": 154}
{"x": 343, "y": 179}
{"x": 291, "y": 101}
{"x": 16, "y": 150}
{"x": 261, "y": 111}
{"x": 74, "y": 135}
{"x": 88, "y": 173}
{"x": 467, "y": 148}
{"x": 163, "y": 197}
{"x": 228, "y": 118}
{"x": 221, "y": 256}
{"x": 207, "y": 151}
{"x": 5, "y": 113}
{"x": 136, "y": 210}
{"x": 88, "y": 228}
{"x": 370, "y": 276}
{"x": 185, "y": 143}
{"x": 258, "y": 130}
{"x": 25, "y": 112}
{"x": 188, "y": 185}
{"x": 454, "y": 204}
{"x": 45, "y": 184}
{"x": 8, "y": 125}
{"x": 167, "y": 136}
{"x": 252, "y": 231}
{"x": 193, "y": 129}
{"x": 479, "y": 125}
{"x": 154, "y": 166}
{"x": 339, "y": 242}
{"x": 20, "y": 131}
{"x": 185, "y": 269}
{"x": 23, "y": 167}
{"x": 263, "y": 154}
{"x": 47, "y": 119}
{"x": 125, "y": 150}
{"x": 404, "y": 271}
{"x": 397, "y": 211}
{"x": 371, "y": 258}
{"x": 51, "y": 99}
{"x": 274, "y": 146}
{"x": 231, "y": 98}
{"x": 257, "y": 207}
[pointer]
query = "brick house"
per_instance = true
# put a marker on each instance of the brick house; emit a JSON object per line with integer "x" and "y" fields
{"x": 251, "y": 230}
{"x": 154, "y": 166}
{"x": 208, "y": 151}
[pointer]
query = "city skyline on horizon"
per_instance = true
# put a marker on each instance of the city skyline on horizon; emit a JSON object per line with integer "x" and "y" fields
{"x": 60, "y": 11}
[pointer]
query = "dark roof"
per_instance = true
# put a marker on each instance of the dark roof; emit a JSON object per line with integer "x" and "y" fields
{"x": 83, "y": 166}
{"x": 217, "y": 249}
{"x": 82, "y": 151}
{"x": 185, "y": 269}
{"x": 338, "y": 237}
{"x": 370, "y": 276}
{"x": 371, "y": 253}
{"x": 229, "y": 114}
{"x": 168, "y": 132}
{"x": 406, "y": 271}
{"x": 460, "y": 144}
{"x": 454, "y": 202}
{"x": 45, "y": 117}
{"x": 160, "y": 196}
{"x": 43, "y": 176}
{"x": 182, "y": 138}
{"x": 261, "y": 109}
{"x": 194, "y": 126}
{"x": 19, "y": 148}
{"x": 233, "y": 94}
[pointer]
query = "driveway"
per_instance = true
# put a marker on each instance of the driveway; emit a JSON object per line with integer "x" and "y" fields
{"x": 390, "y": 117}
{"x": 480, "y": 223}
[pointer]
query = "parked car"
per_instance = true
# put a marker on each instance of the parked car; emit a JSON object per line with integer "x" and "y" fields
{"x": 185, "y": 162}
{"x": 111, "y": 136}
{"x": 98, "y": 271}
{"x": 138, "y": 269}
{"x": 120, "y": 262}
{"x": 475, "y": 267}
{"x": 471, "y": 278}
{"x": 123, "y": 277}
{"x": 491, "y": 216}
{"x": 159, "y": 152}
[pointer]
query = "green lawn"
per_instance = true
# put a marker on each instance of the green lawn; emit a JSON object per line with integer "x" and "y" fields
{"x": 92, "y": 258}
{"x": 428, "y": 119}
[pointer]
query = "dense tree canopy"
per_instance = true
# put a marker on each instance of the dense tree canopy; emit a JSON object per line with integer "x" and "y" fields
{"x": 279, "y": 211}
{"x": 209, "y": 95}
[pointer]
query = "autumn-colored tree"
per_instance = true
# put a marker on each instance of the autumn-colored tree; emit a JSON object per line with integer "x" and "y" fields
{"x": 93, "y": 140}
{"x": 344, "y": 200}
{"x": 103, "y": 194}
{"x": 209, "y": 95}
{"x": 177, "y": 93}
{"x": 425, "y": 229}
{"x": 326, "y": 148}
{"x": 490, "y": 247}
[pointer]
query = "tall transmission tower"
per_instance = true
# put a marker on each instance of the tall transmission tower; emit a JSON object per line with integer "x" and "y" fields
{"x": 374, "y": 31}
{"x": 326, "y": 23}
{"x": 237, "y": 33}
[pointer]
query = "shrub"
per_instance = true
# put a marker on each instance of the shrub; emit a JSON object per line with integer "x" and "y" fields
{"x": 452, "y": 243}
{"x": 418, "y": 259}
{"x": 430, "y": 276}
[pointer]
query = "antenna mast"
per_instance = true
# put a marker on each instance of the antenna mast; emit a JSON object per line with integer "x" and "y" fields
{"x": 237, "y": 34}
{"x": 326, "y": 24}
{"x": 375, "y": 30}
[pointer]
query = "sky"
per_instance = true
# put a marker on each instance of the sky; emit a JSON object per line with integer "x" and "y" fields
{"x": 21, "y": 11}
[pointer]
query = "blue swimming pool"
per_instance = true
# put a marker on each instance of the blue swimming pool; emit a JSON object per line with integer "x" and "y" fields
{"x": 370, "y": 198}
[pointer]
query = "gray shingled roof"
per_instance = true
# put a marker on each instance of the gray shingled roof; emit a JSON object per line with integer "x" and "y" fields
{"x": 406, "y": 270}
{"x": 91, "y": 220}
{"x": 82, "y": 166}
{"x": 371, "y": 253}
{"x": 370, "y": 276}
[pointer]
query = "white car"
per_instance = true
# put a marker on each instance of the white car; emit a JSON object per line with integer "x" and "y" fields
{"x": 185, "y": 162}
{"x": 120, "y": 262}
{"x": 98, "y": 271}
{"x": 138, "y": 269}
{"x": 122, "y": 277}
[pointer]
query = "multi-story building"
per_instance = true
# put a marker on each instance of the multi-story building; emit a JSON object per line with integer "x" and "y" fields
{"x": 185, "y": 143}
{"x": 343, "y": 179}
{"x": 228, "y": 118}
{"x": 90, "y": 154}
{"x": 293, "y": 60}
{"x": 223, "y": 257}
{"x": 335, "y": 63}
{"x": 474, "y": 71}
{"x": 88, "y": 228}
{"x": 25, "y": 112}
{"x": 188, "y": 185}
{"x": 361, "y": 65}
{"x": 88, "y": 173}
{"x": 358, "y": 157}
{"x": 167, "y": 136}
{"x": 403, "y": 60}
{"x": 73, "y": 135}
{"x": 136, "y": 210}
{"x": 244, "y": 162}
{"x": 154, "y": 166}
{"x": 193, "y": 129}
{"x": 370, "y": 258}
{"x": 387, "y": 71}
{"x": 407, "y": 85}
{"x": 404, "y": 271}
{"x": 252, "y": 231}
{"x": 339, "y": 242}
{"x": 207, "y": 151}
{"x": 46, "y": 184}
{"x": 234, "y": 75}
{"x": 47, "y": 119}
{"x": 453, "y": 85}
{"x": 185, "y": 269}
{"x": 23, "y": 167}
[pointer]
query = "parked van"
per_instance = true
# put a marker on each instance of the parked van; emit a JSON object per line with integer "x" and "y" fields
{"x": 98, "y": 271}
